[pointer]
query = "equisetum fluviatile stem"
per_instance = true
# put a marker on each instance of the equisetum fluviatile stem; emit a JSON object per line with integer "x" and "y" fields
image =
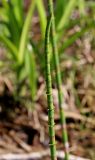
{"x": 58, "y": 80}
{"x": 49, "y": 92}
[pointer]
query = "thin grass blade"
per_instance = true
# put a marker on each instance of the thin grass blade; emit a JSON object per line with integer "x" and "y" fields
{"x": 24, "y": 35}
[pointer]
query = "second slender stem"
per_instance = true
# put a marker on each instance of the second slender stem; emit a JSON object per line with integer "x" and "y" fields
{"x": 58, "y": 80}
{"x": 49, "y": 93}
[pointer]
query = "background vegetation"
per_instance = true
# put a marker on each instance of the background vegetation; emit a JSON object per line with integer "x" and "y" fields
{"x": 22, "y": 68}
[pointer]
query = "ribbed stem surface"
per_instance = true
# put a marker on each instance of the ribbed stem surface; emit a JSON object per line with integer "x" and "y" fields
{"x": 49, "y": 94}
{"x": 58, "y": 80}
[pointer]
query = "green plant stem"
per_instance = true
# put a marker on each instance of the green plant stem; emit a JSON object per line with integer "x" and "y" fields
{"x": 58, "y": 80}
{"x": 49, "y": 93}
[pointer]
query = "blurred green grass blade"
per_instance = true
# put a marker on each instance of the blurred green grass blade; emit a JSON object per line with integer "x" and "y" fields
{"x": 35, "y": 48}
{"x": 31, "y": 71}
{"x": 90, "y": 4}
{"x": 4, "y": 29}
{"x": 80, "y": 21}
{"x": 1, "y": 64}
{"x": 13, "y": 25}
{"x": 18, "y": 11}
{"x": 77, "y": 35}
{"x": 12, "y": 22}
{"x": 42, "y": 15}
{"x": 9, "y": 45}
{"x": 3, "y": 13}
{"x": 65, "y": 17}
{"x": 81, "y": 5}
{"x": 60, "y": 8}
{"x": 4, "y": 3}
{"x": 24, "y": 34}
{"x": 38, "y": 54}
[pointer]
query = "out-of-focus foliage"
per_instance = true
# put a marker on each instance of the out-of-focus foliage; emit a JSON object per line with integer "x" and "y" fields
{"x": 24, "y": 49}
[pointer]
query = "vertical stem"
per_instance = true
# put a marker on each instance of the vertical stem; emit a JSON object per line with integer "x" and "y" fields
{"x": 49, "y": 93}
{"x": 59, "y": 83}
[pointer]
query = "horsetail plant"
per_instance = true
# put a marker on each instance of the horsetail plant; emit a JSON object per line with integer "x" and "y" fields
{"x": 58, "y": 80}
{"x": 49, "y": 92}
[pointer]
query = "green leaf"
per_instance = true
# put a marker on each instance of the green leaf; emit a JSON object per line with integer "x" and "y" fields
{"x": 81, "y": 5}
{"x": 59, "y": 10}
{"x": 4, "y": 29}
{"x": 42, "y": 15}
{"x": 30, "y": 65}
{"x": 12, "y": 22}
{"x": 24, "y": 35}
{"x": 18, "y": 11}
{"x": 66, "y": 14}
{"x": 9, "y": 45}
